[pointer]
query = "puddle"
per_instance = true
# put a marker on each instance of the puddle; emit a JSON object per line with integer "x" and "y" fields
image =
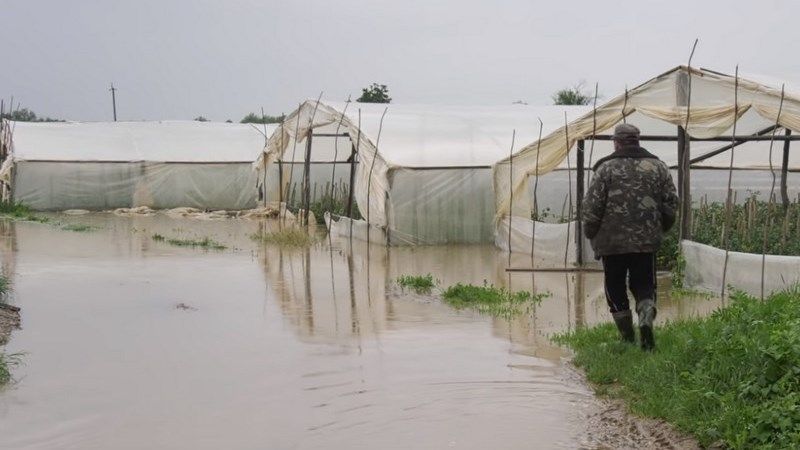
{"x": 133, "y": 343}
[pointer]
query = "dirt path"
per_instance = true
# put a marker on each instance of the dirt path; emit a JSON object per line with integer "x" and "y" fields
{"x": 610, "y": 426}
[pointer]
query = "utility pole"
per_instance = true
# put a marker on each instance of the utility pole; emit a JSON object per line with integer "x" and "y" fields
{"x": 114, "y": 100}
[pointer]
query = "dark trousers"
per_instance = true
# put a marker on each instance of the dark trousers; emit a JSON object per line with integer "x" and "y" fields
{"x": 634, "y": 270}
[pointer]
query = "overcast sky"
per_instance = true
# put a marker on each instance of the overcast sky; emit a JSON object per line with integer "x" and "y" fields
{"x": 177, "y": 59}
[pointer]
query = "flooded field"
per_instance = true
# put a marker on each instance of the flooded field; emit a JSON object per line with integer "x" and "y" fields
{"x": 130, "y": 342}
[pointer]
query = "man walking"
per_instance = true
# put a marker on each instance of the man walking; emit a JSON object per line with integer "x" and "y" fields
{"x": 630, "y": 203}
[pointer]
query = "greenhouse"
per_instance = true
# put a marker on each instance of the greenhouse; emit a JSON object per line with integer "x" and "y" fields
{"x": 107, "y": 165}
{"x": 420, "y": 174}
{"x": 727, "y": 139}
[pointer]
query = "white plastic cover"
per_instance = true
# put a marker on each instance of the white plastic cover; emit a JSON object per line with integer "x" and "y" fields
{"x": 68, "y": 165}
{"x": 705, "y": 265}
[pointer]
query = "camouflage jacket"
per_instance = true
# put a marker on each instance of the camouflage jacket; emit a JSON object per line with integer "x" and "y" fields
{"x": 630, "y": 203}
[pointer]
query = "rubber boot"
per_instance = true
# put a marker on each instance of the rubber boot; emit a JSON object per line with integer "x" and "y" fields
{"x": 647, "y": 314}
{"x": 624, "y": 321}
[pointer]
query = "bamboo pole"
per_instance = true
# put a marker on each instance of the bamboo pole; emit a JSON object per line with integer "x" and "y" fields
{"x": 371, "y": 168}
{"x": 771, "y": 191}
{"x": 569, "y": 189}
{"x": 728, "y": 204}
{"x": 684, "y": 156}
{"x": 535, "y": 196}
{"x": 594, "y": 132}
{"x": 336, "y": 149}
{"x": 511, "y": 187}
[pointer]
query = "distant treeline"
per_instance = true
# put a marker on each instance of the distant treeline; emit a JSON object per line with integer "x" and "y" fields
{"x": 26, "y": 115}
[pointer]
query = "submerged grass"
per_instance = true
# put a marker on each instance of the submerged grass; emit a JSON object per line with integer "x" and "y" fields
{"x": 8, "y": 362}
{"x": 5, "y": 284}
{"x": 78, "y": 227}
{"x": 18, "y": 211}
{"x": 490, "y": 299}
{"x": 732, "y": 378}
{"x": 422, "y": 284}
{"x": 205, "y": 242}
{"x": 287, "y": 237}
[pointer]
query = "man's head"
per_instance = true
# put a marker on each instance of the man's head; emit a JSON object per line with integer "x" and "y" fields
{"x": 625, "y": 135}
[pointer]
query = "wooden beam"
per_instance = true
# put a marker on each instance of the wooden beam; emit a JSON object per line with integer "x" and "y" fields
{"x": 684, "y": 184}
{"x": 349, "y": 210}
{"x": 669, "y": 138}
{"x": 579, "y": 191}
{"x": 785, "y": 171}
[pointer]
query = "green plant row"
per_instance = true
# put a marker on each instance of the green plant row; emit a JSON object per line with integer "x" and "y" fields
{"x": 732, "y": 378}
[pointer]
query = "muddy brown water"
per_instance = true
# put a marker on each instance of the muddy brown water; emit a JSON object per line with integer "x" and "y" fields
{"x": 281, "y": 348}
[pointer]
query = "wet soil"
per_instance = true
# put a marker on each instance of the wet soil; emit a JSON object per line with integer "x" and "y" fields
{"x": 133, "y": 343}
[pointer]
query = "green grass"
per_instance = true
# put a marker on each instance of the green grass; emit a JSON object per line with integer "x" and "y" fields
{"x": 8, "y": 362}
{"x": 206, "y": 242}
{"x": 490, "y": 299}
{"x": 731, "y": 378}
{"x": 18, "y": 211}
{"x": 421, "y": 284}
{"x": 287, "y": 237}
{"x": 5, "y": 284}
{"x": 78, "y": 227}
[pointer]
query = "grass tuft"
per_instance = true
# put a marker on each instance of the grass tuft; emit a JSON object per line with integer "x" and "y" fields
{"x": 206, "y": 242}
{"x": 732, "y": 378}
{"x": 8, "y": 362}
{"x": 287, "y": 237}
{"x": 490, "y": 299}
{"x": 78, "y": 227}
{"x": 421, "y": 284}
{"x": 19, "y": 211}
{"x": 5, "y": 284}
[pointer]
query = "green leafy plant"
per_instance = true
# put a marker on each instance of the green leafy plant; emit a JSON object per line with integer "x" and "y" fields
{"x": 419, "y": 283}
{"x": 490, "y": 299}
{"x": 287, "y": 237}
{"x": 78, "y": 227}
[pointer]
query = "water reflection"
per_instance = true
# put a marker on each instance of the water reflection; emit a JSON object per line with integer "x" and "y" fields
{"x": 286, "y": 348}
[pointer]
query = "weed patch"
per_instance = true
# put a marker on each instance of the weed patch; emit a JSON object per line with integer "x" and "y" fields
{"x": 490, "y": 299}
{"x": 287, "y": 237}
{"x": 732, "y": 378}
{"x": 421, "y": 284}
{"x": 206, "y": 242}
{"x": 78, "y": 227}
{"x": 18, "y": 211}
{"x": 5, "y": 284}
{"x": 8, "y": 362}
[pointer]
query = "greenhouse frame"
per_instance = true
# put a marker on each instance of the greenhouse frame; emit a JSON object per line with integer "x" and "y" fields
{"x": 694, "y": 120}
{"x": 421, "y": 175}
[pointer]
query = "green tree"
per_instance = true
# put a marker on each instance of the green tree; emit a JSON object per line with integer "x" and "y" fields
{"x": 572, "y": 96}
{"x": 26, "y": 115}
{"x": 375, "y": 93}
{"x": 255, "y": 118}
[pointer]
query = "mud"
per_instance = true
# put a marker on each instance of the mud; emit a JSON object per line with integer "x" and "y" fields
{"x": 288, "y": 348}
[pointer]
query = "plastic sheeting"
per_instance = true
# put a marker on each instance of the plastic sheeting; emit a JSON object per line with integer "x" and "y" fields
{"x": 658, "y": 107}
{"x": 705, "y": 265}
{"x": 424, "y": 174}
{"x": 57, "y": 166}
{"x": 554, "y": 246}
